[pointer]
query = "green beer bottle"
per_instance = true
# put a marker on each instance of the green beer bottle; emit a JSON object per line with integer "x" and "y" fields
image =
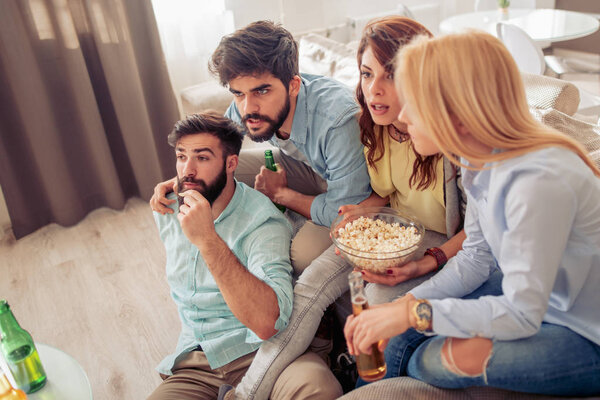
{"x": 270, "y": 164}
{"x": 19, "y": 352}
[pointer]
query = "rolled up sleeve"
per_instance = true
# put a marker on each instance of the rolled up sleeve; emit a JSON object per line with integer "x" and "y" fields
{"x": 531, "y": 241}
{"x": 268, "y": 250}
{"x": 347, "y": 176}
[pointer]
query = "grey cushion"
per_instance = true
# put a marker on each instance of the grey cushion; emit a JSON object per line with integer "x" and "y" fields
{"x": 544, "y": 92}
{"x": 585, "y": 133}
{"x": 322, "y": 56}
{"x": 406, "y": 388}
{"x": 208, "y": 95}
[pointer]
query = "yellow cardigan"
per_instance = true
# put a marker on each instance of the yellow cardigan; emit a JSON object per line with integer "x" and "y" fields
{"x": 391, "y": 179}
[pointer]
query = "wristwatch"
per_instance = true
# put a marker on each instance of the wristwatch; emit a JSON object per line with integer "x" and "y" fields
{"x": 423, "y": 313}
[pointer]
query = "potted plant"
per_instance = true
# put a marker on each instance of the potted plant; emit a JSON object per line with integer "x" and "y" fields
{"x": 503, "y": 8}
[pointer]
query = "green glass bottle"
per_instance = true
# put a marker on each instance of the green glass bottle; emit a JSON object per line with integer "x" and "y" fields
{"x": 270, "y": 164}
{"x": 19, "y": 352}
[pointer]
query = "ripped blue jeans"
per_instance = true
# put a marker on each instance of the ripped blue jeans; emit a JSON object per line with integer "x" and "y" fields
{"x": 555, "y": 361}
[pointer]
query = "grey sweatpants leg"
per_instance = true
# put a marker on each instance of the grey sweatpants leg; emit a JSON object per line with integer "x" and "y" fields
{"x": 325, "y": 279}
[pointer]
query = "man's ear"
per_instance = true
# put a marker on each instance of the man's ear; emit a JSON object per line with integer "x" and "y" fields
{"x": 231, "y": 163}
{"x": 294, "y": 87}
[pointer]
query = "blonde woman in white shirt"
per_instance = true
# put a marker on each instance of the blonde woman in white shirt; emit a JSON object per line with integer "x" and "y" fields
{"x": 532, "y": 212}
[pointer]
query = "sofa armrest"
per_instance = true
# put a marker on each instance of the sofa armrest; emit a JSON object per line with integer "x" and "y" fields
{"x": 544, "y": 92}
{"x": 585, "y": 133}
{"x": 411, "y": 389}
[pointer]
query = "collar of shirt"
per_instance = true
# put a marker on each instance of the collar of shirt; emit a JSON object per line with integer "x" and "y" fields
{"x": 233, "y": 203}
{"x": 300, "y": 123}
{"x": 477, "y": 182}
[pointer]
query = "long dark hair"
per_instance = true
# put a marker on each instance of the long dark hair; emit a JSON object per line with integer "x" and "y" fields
{"x": 385, "y": 36}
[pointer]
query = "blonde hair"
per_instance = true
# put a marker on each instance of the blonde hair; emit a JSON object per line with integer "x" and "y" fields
{"x": 471, "y": 78}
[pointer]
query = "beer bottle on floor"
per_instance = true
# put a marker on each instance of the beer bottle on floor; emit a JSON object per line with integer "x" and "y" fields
{"x": 7, "y": 392}
{"x": 371, "y": 367}
{"x": 270, "y": 164}
{"x": 19, "y": 352}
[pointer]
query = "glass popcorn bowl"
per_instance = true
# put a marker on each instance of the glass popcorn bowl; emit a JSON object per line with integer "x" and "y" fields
{"x": 376, "y": 238}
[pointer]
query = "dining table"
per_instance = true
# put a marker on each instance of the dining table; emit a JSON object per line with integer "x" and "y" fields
{"x": 542, "y": 25}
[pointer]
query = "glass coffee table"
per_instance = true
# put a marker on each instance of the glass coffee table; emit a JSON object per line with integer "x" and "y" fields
{"x": 66, "y": 379}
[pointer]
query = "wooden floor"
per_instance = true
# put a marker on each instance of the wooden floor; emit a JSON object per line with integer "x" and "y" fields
{"x": 97, "y": 291}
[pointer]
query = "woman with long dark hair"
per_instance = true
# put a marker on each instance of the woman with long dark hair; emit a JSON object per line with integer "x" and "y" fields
{"x": 425, "y": 187}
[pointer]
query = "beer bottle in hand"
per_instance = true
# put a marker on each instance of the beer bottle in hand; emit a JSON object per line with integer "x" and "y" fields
{"x": 371, "y": 367}
{"x": 19, "y": 352}
{"x": 270, "y": 164}
{"x": 7, "y": 392}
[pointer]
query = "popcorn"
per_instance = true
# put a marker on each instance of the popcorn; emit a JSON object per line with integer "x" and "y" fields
{"x": 376, "y": 245}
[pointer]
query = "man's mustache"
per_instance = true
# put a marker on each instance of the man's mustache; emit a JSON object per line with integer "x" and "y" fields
{"x": 257, "y": 116}
{"x": 189, "y": 179}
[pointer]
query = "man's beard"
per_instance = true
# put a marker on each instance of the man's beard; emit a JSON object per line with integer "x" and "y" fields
{"x": 273, "y": 126}
{"x": 210, "y": 192}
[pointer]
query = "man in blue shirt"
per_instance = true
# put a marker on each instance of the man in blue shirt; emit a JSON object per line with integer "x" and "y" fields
{"x": 228, "y": 266}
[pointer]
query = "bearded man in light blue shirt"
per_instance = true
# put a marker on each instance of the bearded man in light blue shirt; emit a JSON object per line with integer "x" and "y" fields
{"x": 228, "y": 265}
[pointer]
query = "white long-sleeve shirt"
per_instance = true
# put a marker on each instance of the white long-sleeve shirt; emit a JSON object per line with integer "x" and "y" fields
{"x": 537, "y": 218}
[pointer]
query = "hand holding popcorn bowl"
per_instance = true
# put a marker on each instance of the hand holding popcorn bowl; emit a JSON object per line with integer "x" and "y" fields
{"x": 376, "y": 238}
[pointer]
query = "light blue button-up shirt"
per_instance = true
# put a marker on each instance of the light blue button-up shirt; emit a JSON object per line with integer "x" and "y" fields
{"x": 259, "y": 236}
{"x": 325, "y": 129}
{"x": 537, "y": 218}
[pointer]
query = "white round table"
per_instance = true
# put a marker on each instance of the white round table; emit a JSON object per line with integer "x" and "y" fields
{"x": 66, "y": 380}
{"x": 543, "y": 25}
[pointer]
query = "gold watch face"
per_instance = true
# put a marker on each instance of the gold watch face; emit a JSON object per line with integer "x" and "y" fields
{"x": 424, "y": 314}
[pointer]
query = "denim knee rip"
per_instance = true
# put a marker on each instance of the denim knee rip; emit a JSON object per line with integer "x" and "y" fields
{"x": 451, "y": 366}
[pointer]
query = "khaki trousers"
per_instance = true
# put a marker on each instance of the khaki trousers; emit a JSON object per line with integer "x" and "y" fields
{"x": 311, "y": 240}
{"x": 308, "y": 377}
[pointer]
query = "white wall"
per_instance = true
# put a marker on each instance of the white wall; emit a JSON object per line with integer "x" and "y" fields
{"x": 305, "y": 15}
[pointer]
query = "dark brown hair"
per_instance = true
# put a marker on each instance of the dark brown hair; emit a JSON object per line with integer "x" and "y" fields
{"x": 228, "y": 132}
{"x": 260, "y": 47}
{"x": 385, "y": 36}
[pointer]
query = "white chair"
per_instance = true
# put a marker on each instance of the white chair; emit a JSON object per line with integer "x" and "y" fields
{"x": 529, "y": 58}
{"x": 526, "y": 52}
{"x": 482, "y": 5}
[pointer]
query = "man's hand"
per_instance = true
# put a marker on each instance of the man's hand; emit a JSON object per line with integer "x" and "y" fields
{"x": 196, "y": 219}
{"x": 377, "y": 324}
{"x": 270, "y": 183}
{"x": 159, "y": 201}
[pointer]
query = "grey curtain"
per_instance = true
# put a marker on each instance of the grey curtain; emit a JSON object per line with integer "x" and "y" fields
{"x": 85, "y": 108}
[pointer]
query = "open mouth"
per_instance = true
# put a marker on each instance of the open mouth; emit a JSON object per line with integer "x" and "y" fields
{"x": 253, "y": 123}
{"x": 379, "y": 108}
